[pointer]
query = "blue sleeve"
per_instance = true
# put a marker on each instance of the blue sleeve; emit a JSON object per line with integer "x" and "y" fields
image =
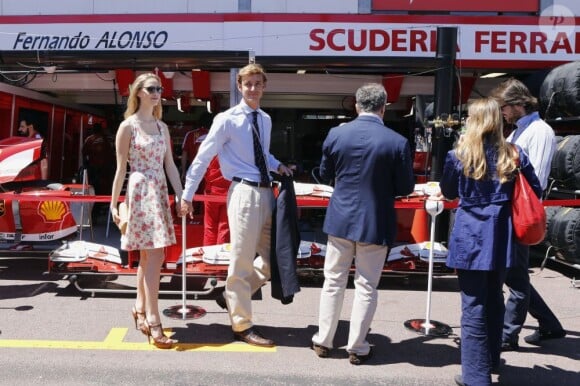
{"x": 327, "y": 171}
{"x": 404, "y": 180}
{"x": 449, "y": 183}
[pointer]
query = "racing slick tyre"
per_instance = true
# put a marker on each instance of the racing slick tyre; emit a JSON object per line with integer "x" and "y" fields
{"x": 551, "y": 212}
{"x": 565, "y": 168}
{"x": 564, "y": 233}
{"x": 560, "y": 92}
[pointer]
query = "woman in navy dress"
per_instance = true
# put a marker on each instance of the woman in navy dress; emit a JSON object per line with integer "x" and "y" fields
{"x": 480, "y": 172}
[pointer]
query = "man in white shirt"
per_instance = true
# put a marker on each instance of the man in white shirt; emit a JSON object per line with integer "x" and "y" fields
{"x": 537, "y": 139}
{"x": 240, "y": 137}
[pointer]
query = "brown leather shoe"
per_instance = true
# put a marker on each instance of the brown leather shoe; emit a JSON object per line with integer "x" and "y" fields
{"x": 253, "y": 337}
{"x": 320, "y": 351}
{"x": 356, "y": 359}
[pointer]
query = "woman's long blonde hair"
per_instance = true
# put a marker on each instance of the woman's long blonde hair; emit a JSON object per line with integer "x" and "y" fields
{"x": 485, "y": 125}
{"x": 133, "y": 103}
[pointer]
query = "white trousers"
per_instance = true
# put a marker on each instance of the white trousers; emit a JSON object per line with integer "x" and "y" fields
{"x": 369, "y": 261}
{"x": 250, "y": 219}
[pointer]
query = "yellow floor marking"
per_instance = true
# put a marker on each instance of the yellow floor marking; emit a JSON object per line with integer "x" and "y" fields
{"x": 114, "y": 341}
{"x": 116, "y": 335}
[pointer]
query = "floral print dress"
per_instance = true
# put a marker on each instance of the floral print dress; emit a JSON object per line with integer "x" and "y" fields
{"x": 150, "y": 223}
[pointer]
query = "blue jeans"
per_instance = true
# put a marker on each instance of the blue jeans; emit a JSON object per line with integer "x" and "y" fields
{"x": 524, "y": 298}
{"x": 482, "y": 309}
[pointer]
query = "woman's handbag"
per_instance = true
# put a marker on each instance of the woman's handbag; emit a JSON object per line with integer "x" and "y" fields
{"x": 528, "y": 214}
{"x": 124, "y": 217}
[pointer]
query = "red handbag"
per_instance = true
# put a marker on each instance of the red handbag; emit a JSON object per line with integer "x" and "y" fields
{"x": 528, "y": 214}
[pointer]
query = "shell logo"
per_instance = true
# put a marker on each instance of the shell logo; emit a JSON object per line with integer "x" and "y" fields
{"x": 2, "y": 207}
{"x": 52, "y": 210}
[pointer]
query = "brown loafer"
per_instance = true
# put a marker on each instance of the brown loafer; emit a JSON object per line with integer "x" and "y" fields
{"x": 357, "y": 359}
{"x": 320, "y": 351}
{"x": 253, "y": 337}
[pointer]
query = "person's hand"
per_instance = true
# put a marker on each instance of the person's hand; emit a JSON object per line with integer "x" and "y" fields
{"x": 185, "y": 208}
{"x": 178, "y": 208}
{"x": 285, "y": 170}
{"x": 437, "y": 196}
{"x": 115, "y": 215}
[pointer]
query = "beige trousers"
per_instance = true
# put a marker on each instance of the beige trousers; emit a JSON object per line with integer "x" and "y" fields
{"x": 369, "y": 261}
{"x": 250, "y": 219}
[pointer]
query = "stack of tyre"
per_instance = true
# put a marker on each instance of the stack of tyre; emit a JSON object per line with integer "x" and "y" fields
{"x": 560, "y": 98}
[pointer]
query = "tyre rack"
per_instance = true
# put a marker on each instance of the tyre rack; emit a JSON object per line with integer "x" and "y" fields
{"x": 560, "y": 193}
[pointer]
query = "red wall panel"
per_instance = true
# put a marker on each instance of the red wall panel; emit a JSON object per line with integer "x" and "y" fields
{"x": 456, "y": 5}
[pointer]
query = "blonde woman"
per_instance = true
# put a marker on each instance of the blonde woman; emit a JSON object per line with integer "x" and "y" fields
{"x": 143, "y": 141}
{"x": 480, "y": 172}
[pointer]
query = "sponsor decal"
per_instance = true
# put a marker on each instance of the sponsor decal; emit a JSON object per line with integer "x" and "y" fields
{"x": 52, "y": 211}
{"x": 48, "y": 236}
{"x": 2, "y": 208}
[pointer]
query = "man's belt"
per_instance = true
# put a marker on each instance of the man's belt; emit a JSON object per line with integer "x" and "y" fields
{"x": 252, "y": 183}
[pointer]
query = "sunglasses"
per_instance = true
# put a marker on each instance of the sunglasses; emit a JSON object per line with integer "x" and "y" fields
{"x": 152, "y": 89}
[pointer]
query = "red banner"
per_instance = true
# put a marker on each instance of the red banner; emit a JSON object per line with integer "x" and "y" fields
{"x": 457, "y": 5}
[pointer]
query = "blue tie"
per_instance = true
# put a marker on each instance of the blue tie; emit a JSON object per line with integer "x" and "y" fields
{"x": 258, "y": 153}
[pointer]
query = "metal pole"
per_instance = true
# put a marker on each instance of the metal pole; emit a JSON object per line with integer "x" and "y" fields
{"x": 430, "y": 278}
{"x": 183, "y": 266}
{"x": 427, "y": 326}
{"x": 184, "y": 311}
{"x": 442, "y": 140}
{"x": 444, "y": 81}
{"x": 235, "y": 95}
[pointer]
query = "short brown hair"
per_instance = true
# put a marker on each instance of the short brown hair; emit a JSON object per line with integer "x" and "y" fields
{"x": 252, "y": 69}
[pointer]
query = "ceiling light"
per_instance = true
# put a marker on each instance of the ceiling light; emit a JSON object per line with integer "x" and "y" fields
{"x": 49, "y": 69}
{"x": 168, "y": 74}
{"x": 493, "y": 75}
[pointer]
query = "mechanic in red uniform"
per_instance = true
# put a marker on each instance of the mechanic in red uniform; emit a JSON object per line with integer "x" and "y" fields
{"x": 216, "y": 229}
{"x": 189, "y": 148}
{"x": 215, "y": 216}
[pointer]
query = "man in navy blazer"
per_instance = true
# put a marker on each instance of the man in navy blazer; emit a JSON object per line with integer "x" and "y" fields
{"x": 371, "y": 165}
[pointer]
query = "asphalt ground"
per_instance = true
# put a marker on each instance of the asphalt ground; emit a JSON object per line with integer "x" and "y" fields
{"x": 50, "y": 333}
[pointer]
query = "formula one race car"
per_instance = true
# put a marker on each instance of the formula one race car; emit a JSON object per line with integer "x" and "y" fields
{"x": 29, "y": 225}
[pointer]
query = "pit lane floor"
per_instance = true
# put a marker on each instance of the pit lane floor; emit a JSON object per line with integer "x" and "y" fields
{"x": 53, "y": 334}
